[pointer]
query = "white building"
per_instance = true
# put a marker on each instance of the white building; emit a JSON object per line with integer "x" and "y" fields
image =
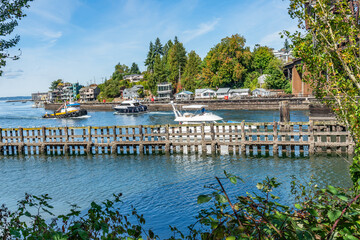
{"x": 241, "y": 92}
{"x": 204, "y": 93}
{"x": 260, "y": 92}
{"x": 184, "y": 95}
{"x": 134, "y": 77}
{"x": 222, "y": 93}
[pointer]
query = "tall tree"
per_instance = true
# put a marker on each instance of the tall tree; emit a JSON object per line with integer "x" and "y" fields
{"x": 158, "y": 48}
{"x": 192, "y": 71}
{"x": 328, "y": 44}
{"x": 134, "y": 69}
{"x": 158, "y": 76}
{"x": 287, "y": 46}
{"x": 150, "y": 59}
{"x": 226, "y": 64}
{"x": 10, "y": 12}
{"x": 176, "y": 61}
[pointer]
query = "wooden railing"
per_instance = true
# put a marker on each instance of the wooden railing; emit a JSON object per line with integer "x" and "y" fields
{"x": 247, "y": 138}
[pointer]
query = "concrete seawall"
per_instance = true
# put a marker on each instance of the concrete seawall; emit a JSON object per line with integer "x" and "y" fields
{"x": 241, "y": 104}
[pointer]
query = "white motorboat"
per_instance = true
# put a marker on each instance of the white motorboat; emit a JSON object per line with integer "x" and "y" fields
{"x": 130, "y": 106}
{"x": 197, "y": 117}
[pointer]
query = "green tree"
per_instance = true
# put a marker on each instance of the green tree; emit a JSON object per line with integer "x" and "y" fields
{"x": 134, "y": 69}
{"x": 251, "y": 80}
{"x": 55, "y": 83}
{"x": 261, "y": 58}
{"x": 150, "y": 59}
{"x": 176, "y": 61}
{"x": 192, "y": 71}
{"x": 287, "y": 46}
{"x": 10, "y": 12}
{"x": 158, "y": 49}
{"x": 328, "y": 44}
{"x": 276, "y": 78}
{"x": 226, "y": 64}
{"x": 158, "y": 76}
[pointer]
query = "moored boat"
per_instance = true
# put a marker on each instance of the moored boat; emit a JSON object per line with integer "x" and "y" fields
{"x": 130, "y": 106}
{"x": 71, "y": 110}
{"x": 197, "y": 117}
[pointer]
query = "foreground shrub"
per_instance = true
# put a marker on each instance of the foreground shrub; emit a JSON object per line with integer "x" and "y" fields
{"x": 331, "y": 213}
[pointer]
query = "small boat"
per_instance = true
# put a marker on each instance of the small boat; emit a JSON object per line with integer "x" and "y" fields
{"x": 198, "y": 117}
{"x": 130, "y": 106}
{"x": 71, "y": 110}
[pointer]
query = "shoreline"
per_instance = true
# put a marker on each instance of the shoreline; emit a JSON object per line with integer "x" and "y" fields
{"x": 301, "y": 103}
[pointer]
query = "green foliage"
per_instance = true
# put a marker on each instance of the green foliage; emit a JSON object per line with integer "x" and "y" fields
{"x": 262, "y": 56}
{"x": 251, "y": 80}
{"x": 331, "y": 213}
{"x": 176, "y": 61}
{"x": 276, "y": 78}
{"x": 134, "y": 69}
{"x": 150, "y": 59}
{"x": 328, "y": 46}
{"x": 10, "y": 12}
{"x": 192, "y": 72}
{"x": 54, "y": 84}
{"x": 101, "y": 221}
{"x": 226, "y": 64}
{"x": 111, "y": 88}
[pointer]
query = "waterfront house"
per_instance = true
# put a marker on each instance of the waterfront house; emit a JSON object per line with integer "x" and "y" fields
{"x": 239, "y": 93}
{"x": 39, "y": 96}
{"x": 204, "y": 93}
{"x": 221, "y": 93}
{"x": 164, "y": 91}
{"x": 89, "y": 93}
{"x": 260, "y": 92}
{"x": 70, "y": 91}
{"x": 130, "y": 93}
{"x": 134, "y": 78}
{"x": 184, "y": 95}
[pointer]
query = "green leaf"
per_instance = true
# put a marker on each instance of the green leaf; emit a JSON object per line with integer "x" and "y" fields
{"x": 343, "y": 197}
{"x": 298, "y": 206}
{"x": 230, "y": 238}
{"x": 350, "y": 237}
{"x": 333, "y": 190}
{"x": 203, "y": 199}
{"x": 313, "y": 212}
{"x": 221, "y": 198}
{"x": 333, "y": 215}
{"x": 259, "y": 186}
{"x": 233, "y": 180}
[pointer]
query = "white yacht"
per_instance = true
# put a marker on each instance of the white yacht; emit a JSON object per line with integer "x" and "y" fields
{"x": 130, "y": 106}
{"x": 197, "y": 117}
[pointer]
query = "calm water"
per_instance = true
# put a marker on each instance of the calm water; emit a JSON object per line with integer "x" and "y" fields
{"x": 164, "y": 188}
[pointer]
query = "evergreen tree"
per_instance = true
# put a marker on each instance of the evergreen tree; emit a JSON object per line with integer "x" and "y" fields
{"x": 134, "y": 69}
{"x": 192, "y": 71}
{"x": 150, "y": 59}
{"x": 287, "y": 46}
{"x": 176, "y": 61}
{"x": 158, "y": 49}
{"x": 158, "y": 76}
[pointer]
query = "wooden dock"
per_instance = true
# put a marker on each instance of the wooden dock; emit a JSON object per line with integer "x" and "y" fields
{"x": 229, "y": 138}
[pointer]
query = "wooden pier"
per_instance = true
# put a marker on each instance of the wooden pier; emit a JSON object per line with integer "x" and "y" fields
{"x": 229, "y": 138}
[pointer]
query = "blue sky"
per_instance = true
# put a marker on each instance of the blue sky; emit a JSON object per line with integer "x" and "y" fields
{"x": 82, "y": 40}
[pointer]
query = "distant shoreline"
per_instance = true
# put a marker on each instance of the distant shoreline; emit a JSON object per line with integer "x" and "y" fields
{"x": 301, "y": 103}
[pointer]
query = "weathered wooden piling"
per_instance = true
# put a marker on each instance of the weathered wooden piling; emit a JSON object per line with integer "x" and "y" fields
{"x": 284, "y": 111}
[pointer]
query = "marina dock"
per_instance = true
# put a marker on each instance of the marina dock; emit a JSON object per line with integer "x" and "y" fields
{"x": 275, "y": 138}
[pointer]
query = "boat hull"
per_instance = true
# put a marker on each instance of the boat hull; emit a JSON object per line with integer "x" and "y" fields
{"x": 131, "y": 110}
{"x": 70, "y": 114}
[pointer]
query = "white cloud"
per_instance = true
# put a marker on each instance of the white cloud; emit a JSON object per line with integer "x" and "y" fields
{"x": 202, "y": 29}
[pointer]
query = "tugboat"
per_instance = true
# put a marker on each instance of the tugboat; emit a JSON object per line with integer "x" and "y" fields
{"x": 71, "y": 110}
{"x": 130, "y": 106}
